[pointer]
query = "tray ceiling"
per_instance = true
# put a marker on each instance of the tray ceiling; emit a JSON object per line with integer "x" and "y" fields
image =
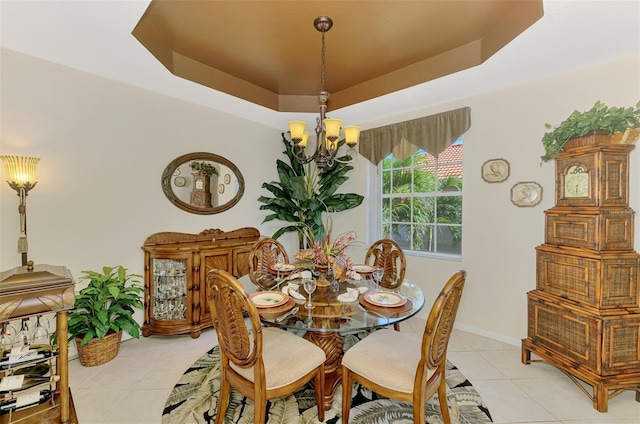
{"x": 268, "y": 52}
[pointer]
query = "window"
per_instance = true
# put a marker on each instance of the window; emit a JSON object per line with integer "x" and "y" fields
{"x": 421, "y": 202}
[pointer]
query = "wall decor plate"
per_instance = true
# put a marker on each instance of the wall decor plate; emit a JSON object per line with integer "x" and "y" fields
{"x": 527, "y": 193}
{"x": 495, "y": 170}
{"x": 180, "y": 181}
{"x": 227, "y": 178}
{"x": 221, "y": 188}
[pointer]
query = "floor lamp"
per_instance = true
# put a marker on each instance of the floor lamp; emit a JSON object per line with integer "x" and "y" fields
{"x": 22, "y": 177}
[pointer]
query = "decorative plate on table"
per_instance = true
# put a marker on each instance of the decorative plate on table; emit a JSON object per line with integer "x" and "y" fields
{"x": 284, "y": 267}
{"x": 269, "y": 299}
{"x": 386, "y": 299}
{"x": 362, "y": 268}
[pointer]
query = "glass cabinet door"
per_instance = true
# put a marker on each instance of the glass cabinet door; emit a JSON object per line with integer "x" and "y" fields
{"x": 169, "y": 291}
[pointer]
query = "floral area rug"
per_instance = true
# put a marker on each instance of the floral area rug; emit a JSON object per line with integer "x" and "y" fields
{"x": 194, "y": 399}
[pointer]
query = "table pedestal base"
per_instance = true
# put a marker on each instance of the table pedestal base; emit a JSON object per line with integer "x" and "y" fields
{"x": 331, "y": 343}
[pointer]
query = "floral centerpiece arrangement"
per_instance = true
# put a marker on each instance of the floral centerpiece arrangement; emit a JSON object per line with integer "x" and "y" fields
{"x": 328, "y": 255}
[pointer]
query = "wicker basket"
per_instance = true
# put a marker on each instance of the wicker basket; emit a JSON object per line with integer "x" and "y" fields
{"x": 98, "y": 352}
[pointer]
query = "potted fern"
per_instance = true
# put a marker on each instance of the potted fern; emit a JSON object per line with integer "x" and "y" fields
{"x": 102, "y": 310}
{"x": 617, "y": 121}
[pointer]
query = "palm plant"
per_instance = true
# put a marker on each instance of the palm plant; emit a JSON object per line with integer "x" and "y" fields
{"x": 303, "y": 194}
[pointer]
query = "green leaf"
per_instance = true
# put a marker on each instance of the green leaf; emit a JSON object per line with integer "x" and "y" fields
{"x": 599, "y": 118}
{"x": 109, "y": 299}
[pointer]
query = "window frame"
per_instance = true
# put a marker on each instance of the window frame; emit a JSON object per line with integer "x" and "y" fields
{"x": 374, "y": 216}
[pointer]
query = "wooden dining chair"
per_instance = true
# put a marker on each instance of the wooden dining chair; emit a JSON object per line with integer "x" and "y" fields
{"x": 263, "y": 256}
{"x": 388, "y": 255}
{"x": 399, "y": 365}
{"x": 261, "y": 364}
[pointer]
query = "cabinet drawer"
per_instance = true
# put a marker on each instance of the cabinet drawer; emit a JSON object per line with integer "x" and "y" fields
{"x": 598, "y": 230}
{"x": 580, "y": 337}
{"x": 599, "y": 279}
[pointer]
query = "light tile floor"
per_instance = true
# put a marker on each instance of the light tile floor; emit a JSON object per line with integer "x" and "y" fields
{"x": 133, "y": 387}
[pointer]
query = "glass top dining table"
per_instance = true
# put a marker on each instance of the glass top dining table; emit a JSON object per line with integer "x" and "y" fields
{"x": 333, "y": 318}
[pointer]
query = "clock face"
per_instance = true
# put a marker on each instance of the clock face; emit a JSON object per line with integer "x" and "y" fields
{"x": 576, "y": 182}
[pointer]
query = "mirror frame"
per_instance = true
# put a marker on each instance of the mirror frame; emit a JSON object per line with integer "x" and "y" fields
{"x": 167, "y": 174}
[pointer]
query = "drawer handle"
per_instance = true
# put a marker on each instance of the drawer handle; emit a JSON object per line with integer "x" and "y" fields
{"x": 213, "y": 239}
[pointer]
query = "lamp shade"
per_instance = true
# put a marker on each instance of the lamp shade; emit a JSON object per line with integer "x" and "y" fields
{"x": 21, "y": 170}
{"x": 296, "y": 128}
{"x": 351, "y": 135}
{"x": 305, "y": 138}
{"x": 332, "y": 127}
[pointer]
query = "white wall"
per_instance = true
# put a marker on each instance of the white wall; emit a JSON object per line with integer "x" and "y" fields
{"x": 104, "y": 146}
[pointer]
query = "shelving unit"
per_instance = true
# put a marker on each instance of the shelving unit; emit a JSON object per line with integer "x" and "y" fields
{"x": 30, "y": 291}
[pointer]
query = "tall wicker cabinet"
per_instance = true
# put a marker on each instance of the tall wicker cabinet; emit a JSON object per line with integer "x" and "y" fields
{"x": 584, "y": 315}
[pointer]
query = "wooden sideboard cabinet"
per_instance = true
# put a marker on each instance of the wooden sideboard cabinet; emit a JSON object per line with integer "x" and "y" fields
{"x": 29, "y": 291}
{"x": 175, "y": 271}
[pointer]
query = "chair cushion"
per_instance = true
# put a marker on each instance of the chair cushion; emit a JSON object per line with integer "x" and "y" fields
{"x": 388, "y": 358}
{"x": 286, "y": 358}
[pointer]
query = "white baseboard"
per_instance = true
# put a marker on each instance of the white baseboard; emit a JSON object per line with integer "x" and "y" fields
{"x": 489, "y": 334}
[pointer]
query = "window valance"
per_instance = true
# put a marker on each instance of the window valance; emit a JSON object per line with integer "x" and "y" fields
{"x": 432, "y": 133}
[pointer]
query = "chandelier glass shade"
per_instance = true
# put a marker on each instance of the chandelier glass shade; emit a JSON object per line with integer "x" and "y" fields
{"x": 327, "y": 130}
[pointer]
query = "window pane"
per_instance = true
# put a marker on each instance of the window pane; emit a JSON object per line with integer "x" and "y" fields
{"x": 422, "y": 240}
{"x": 401, "y": 180}
{"x": 423, "y": 209}
{"x": 424, "y": 180}
{"x": 386, "y": 182}
{"x": 450, "y": 184}
{"x": 386, "y": 210}
{"x": 449, "y": 210}
{"x": 449, "y": 239}
{"x": 401, "y": 233}
{"x": 386, "y": 227}
{"x": 401, "y": 209}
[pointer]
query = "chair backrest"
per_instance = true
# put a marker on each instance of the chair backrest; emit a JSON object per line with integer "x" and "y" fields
{"x": 228, "y": 300}
{"x": 439, "y": 325}
{"x": 387, "y": 254}
{"x": 262, "y": 257}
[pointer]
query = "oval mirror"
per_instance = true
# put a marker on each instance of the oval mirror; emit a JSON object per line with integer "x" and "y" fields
{"x": 202, "y": 183}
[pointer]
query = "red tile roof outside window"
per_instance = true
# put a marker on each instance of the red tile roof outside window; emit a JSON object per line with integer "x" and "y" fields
{"x": 449, "y": 161}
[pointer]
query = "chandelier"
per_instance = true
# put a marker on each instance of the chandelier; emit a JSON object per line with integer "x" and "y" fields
{"x": 327, "y": 129}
